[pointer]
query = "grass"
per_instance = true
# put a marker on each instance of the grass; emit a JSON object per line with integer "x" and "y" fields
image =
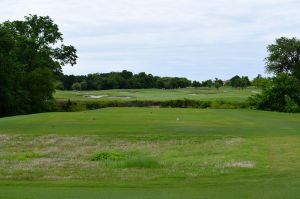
{"x": 150, "y": 153}
{"x": 140, "y": 162}
{"x": 104, "y": 156}
{"x": 207, "y": 94}
{"x": 155, "y": 123}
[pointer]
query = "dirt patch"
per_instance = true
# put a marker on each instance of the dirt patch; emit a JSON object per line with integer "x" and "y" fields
{"x": 234, "y": 141}
{"x": 240, "y": 164}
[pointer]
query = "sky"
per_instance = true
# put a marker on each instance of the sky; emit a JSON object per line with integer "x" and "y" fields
{"x": 197, "y": 39}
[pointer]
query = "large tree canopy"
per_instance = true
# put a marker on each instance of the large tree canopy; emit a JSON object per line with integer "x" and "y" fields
{"x": 284, "y": 57}
{"x": 32, "y": 54}
{"x": 282, "y": 92}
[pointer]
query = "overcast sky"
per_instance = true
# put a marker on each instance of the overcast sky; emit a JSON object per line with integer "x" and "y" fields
{"x": 198, "y": 39}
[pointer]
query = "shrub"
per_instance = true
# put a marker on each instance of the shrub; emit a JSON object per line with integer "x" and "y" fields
{"x": 180, "y": 103}
{"x": 290, "y": 105}
{"x": 76, "y": 86}
{"x": 221, "y": 105}
{"x": 68, "y": 106}
{"x": 282, "y": 95}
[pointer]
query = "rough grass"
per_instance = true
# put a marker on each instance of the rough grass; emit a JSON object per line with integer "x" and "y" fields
{"x": 103, "y": 156}
{"x": 140, "y": 162}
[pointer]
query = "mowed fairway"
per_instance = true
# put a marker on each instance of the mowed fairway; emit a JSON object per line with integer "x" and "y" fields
{"x": 150, "y": 153}
{"x": 205, "y": 94}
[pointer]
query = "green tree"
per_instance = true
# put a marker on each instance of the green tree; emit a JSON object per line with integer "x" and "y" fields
{"x": 34, "y": 57}
{"x": 207, "y": 83}
{"x": 218, "y": 83}
{"x": 8, "y": 83}
{"x": 41, "y": 86}
{"x": 196, "y": 84}
{"x": 76, "y": 86}
{"x": 284, "y": 57}
{"x": 283, "y": 94}
{"x": 261, "y": 82}
{"x": 245, "y": 82}
{"x": 59, "y": 85}
{"x": 239, "y": 82}
{"x": 83, "y": 85}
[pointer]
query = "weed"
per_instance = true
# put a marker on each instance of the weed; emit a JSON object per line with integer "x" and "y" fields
{"x": 107, "y": 156}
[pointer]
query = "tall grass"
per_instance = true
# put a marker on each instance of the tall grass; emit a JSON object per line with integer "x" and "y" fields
{"x": 72, "y": 106}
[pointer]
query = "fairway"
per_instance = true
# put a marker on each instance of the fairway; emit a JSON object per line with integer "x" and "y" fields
{"x": 150, "y": 153}
{"x": 205, "y": 94}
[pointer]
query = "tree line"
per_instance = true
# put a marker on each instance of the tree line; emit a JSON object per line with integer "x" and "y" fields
{"x": 128, "y": 80}
{"x": 120, "y": 80}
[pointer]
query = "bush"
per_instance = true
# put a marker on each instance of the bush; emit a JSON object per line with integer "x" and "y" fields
{"x": 183, "y": 103}
{"x": 221, "y": 105}
{"x": 76, "y": 86}
{"x": 67, "y": 106}
{"x": 290, "y": 105}
{"x": 283, "y": 95}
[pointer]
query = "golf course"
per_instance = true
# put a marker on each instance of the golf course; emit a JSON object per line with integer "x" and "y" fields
{"x": 150, "y": 153}
{"x": 205, "y": 94}
{"x": 135, "y": 99}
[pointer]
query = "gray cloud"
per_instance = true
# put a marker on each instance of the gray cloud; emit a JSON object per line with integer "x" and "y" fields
{"x": 193, "y": 38}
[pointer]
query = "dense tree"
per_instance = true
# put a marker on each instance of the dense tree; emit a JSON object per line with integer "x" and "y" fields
{"x": 9, "y": 84}
{"x": 218, "y": 83}
{"x": 261, "y": 82}
{"x": 58, "y": 85}
{"x": 284, "y": 57}
{"x": 76, "y": 86}
{"x": 196, "y": 84}
{"x": 239, "y": 82}
{"x": 83, "y": 85}
{"x": 207, "y": 83}
{"x": 32, "y": 56}
{"x": 123, "y": 80}
{"x": 283, "y": 94}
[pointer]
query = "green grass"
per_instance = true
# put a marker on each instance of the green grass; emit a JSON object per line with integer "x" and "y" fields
{"x": 150, "y": 153}
{"x": 104, "y": 156}
{"x": 155, "y": 122}
{"x": 207, "y": 94}
{"x": 140, "y": 162}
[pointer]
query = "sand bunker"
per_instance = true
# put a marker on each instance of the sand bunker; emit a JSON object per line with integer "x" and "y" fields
{"x": 120, "y": 97}
{"x": 96, "y": 96}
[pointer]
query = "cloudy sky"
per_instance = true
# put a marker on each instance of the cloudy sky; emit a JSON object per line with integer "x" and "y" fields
{"x": 198, "y": 39}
